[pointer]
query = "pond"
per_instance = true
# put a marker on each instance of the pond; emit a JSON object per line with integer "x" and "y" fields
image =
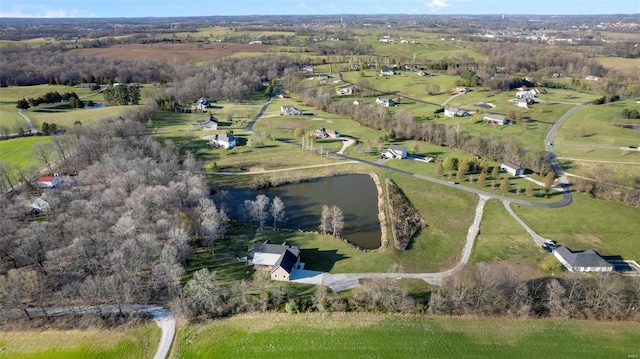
{"x": 356, "y": 195}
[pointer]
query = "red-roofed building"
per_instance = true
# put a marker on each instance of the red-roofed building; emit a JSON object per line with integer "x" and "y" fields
{"x": 48, "y": 181}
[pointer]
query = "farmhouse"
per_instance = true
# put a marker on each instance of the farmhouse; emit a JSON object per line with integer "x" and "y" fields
{"x": 385, "y": 71}
{"x": 279, "y": 259}
{"x": 48, "y": 181}
{"x": 386, "y": 102}
{"x": 201, "y": 104}
{"x": 347, "y": 90}
{"x": 495, "y": 119}
{"x": 462, "y": 89}
{"x": 525, "y": 102}
{"x": 512, "y": 168}
{"x": 289, "y": 110}
{"x": 526, "y": 94}
{"x": 585, "y": 261}
{"x": 222, "y": 140}
{"x": 394, "y": 151}
{"x": 455, "y": 112}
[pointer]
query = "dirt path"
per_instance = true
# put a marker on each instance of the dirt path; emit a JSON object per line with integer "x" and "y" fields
{"x": 599, "y": 161}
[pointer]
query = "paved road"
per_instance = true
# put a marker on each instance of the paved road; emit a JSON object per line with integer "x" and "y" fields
{"x": 583, "y": 145}
{"x": 160, "y": 315}
{"x": 346, "y": 142}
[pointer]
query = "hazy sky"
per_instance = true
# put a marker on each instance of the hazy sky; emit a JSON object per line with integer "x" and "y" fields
{"x": 164, "y": 8}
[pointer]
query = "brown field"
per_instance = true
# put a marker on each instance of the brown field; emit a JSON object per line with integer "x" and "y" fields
{"x": 175, "y": 53}
{"x": 619, "y": 62}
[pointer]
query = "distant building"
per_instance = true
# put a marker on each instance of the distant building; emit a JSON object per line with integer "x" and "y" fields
{"x": 455, "y": 112}
{"x": 201, "y": 104}
{"x": 386, "y": 102}
{"x": 592, "y": 78}
{"x": 585, "y": 261}
{"x": 385, "y": 71}
{"x": 289, "y": 110}
{"x": 48, "y": 181}
{"x": 496, "y": 119}
{"x": 394, "y": 151}
{"x": 512, "y": 168}
{"x": 347, "y": 90}
{"x": 222, "y": 140}
{"x": 210, "y": 123}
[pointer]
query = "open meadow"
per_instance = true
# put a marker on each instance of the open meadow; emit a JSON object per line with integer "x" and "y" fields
{"x": 385, "y": 336}
{"x": 133, "y": 342}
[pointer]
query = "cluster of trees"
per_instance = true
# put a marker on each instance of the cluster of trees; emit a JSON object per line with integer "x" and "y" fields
{"x": 122, "y": 95}
{"x": 606, "y": 99}
{"x": 630, "y": 114}
{"x": 23, "y": 67}
{"x": 404, "y": 126}
{"x": 405, "y": 219}
{"x": 263, "y": 208}
{"x": 331, "y": 220}
{"x": 50, "y": 98}
{"x": 118, "y": 232}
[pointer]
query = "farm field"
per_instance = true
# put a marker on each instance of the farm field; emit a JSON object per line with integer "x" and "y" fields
{"x": 374, "y": 335}
{"x": 619, "y": 62}
{"x": 591, "y": 125}
{"x": 19, "y": 151}
{"x": 611, "y": 228}
{"x": 136, "y": 342}
{"x": 626, "y": 174}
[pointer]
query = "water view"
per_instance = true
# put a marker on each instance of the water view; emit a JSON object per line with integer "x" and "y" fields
{"x": 356, "y": 195}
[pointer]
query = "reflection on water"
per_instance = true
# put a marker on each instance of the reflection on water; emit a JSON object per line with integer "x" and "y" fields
{"x": 356, "y": 195}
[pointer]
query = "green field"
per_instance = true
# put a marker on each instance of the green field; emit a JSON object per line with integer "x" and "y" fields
{"x": 385, "y": 336}
{"x": 138, "y": 342}
{"x": 19, "y": 151}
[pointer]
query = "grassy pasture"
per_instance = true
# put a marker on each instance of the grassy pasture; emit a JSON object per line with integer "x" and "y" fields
{"x": 611, "y": 228}
{"x": 627, "y": 174}
{"x": 19, "y": 151}
{"x": 137, "y": 342}
{"x": 384, "y": 336}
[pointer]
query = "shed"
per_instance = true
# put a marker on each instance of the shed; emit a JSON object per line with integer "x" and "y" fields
{"x": 512, "y": 168}
{"x": 49, "y": 181}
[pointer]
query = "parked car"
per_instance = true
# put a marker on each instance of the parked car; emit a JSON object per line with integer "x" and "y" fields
{"x": 451, "y": 182}
{"x": 547, "y": 248}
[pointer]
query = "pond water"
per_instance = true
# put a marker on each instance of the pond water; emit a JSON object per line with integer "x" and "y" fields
{"x": 356, "y": 195}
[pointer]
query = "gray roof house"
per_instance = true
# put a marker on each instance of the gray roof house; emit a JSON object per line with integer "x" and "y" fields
{"x": 280, "y": 259}
{"x": 386, "y": 102}
{"x": 496, "y": 119}
{"x": 454, "y": 111}
{"x": 585, "y": 261}
{"x": 210, "y": 123}
{"x": 221, "y": 140}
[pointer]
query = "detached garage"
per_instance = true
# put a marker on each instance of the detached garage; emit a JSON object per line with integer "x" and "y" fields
{"x": 512, "y": 168}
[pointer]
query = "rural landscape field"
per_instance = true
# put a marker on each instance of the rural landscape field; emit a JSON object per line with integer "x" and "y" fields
{"x": 320, "y": 185}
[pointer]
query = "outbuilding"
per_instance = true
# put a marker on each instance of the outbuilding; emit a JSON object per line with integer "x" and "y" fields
{"x": 48, "y": 181}
{"x": 512, "y": 168}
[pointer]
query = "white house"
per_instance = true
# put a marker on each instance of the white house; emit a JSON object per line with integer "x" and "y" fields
{"x": 222, "y": 140}
{"x": 585, "y": 261}
{"x": 496, "y": 119}
{"x": 385, "y": 71}
{"x": 512, "y": 168}
{"x": 289, "y": 110}
{"x": 592, "y": 78}
{"x": 394, "y": 151}
{"x": 48, "y": 181}
{"x": 386, "y": 102}
{"x": 454, "y": 111}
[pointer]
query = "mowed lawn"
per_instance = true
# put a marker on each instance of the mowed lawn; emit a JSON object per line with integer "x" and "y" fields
{"x": 19, "y": 151}
{"x": 134, "y": 343}
{"x": 384, "y": 336}
{"x": 611, "y": 228}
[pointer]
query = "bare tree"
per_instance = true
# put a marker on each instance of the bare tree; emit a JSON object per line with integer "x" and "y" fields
{"x": 44, "y": 154}
{"x": 325, "y": 219}
{"x": 337, "y": 220}
{"x": 277, "y": 211}
{"x": 259, "y": 210}
{"x": 214, "y": 222}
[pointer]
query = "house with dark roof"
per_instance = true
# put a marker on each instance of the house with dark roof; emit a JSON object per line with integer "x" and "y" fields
{"x": 201, "y": 104}
{"x": 386, "y": 102}
{"x": 385, "y": 71}
{"x": 512, "y": 168}
{"x": 584, "y": 261}
{"x": 347, "y": 90}
{"x": 210, "y": 123}
{"x": 279, "y": 259}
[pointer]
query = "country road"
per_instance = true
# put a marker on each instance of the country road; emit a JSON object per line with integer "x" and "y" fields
{"x": 160, "y": 315}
